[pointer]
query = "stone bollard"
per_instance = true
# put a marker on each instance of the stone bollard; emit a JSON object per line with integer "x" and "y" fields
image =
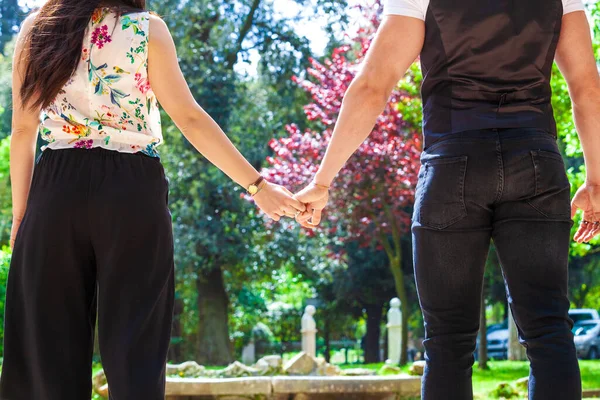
{"x": 249, "y": 354}
{"x": 394, "y": 328}
{"x": 309, "y": 331}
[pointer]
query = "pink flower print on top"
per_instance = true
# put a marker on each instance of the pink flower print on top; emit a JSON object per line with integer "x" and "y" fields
{"x": 84, "y": 144}
{"x": 143, "y": 84}
{"x": 100, "y": 36}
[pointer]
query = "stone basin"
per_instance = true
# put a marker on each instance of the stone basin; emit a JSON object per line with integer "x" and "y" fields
{"x": 295, "y": 387}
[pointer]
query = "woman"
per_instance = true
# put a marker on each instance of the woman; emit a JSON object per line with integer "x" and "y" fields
{"x": 91, "y": 226}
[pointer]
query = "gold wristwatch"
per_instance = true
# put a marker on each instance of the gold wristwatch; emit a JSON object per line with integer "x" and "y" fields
{"x": 256, "y": 186}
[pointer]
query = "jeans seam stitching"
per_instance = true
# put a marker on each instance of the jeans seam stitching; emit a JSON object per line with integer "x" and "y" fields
{"x": 536, "y": 170}
{"x": 500, "y": 187}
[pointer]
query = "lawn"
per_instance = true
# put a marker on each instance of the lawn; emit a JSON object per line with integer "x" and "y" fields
{"x": 505, "y": 371}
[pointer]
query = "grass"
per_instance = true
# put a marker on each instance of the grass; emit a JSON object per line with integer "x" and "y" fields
{"x": 504, "y": 371}
{"x": 484, "y": 381}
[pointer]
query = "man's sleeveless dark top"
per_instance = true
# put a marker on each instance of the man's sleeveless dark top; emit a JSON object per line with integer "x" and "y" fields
{"x": 487, "y": 64}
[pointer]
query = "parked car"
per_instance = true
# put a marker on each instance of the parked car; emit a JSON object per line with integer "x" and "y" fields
{"x": 497, "y": 344}
{"x": 495, "y": 327}
{"x": 499, "y": 341}
{"x": 587, "y": 339}
{"x": 583, "y": 314}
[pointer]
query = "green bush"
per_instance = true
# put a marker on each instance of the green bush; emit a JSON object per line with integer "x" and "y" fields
{"x": 504, "y": 391}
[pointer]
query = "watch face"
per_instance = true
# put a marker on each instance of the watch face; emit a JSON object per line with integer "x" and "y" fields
{"x": 252, "y": 189}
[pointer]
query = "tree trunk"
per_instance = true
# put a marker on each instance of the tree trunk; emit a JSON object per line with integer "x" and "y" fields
{"x": 373, "y": 333}
{"x": 483, "y": 354}
{"x": 175, "y": 350}
{"x": 326, "y": 339}
{"x": 213, "y": 331}
{"x": 516, "y": 351}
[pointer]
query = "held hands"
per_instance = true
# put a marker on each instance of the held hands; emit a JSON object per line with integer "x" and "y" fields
{"x": 315, "y": 197}
{"x": 306, "y": 206}
{"x": 587, "y": 199}
{"x": 276, "y": 201}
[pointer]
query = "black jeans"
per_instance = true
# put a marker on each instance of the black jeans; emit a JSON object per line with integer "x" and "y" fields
{"x": 508, "y": 186}
{"x": 96, "y": 236}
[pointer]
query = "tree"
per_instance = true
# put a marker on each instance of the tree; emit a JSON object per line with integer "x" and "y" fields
{"x": 482, "y": 359}
{"x": 584, "y": 279}
{"x": 366, "y": 285}
{"x": 11, "y": 16}
{"x": 6, "y": 90}
{"x": 213, "y": 224}
{"x": 493, "y": 292}
{"x": 5, "y": 127}
{"x": 372, "y": 198}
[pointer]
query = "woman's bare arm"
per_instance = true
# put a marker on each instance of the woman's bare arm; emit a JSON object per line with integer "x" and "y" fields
{"x": 200, "y": 129}
{"x": 25, "y": 122}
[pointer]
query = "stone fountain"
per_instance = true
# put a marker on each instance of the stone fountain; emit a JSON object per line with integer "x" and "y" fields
{"x": 303, "y": 377}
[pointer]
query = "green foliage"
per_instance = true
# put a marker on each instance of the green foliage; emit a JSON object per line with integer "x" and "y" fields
{"x": 6, "y": 90}
{"x": 5, "y": 255}
{"x": 11, "y": 16}
{"x": 411, "y": 106}
{"x": 5, "y": 193}
{"x": 215, "y": 226}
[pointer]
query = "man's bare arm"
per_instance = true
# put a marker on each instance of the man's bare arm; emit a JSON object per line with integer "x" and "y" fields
{"x": 576, "y": 61}
{"x": 395, "y": 47}
{"x": 575, "y": 58}
{"x": 397, "y": 44}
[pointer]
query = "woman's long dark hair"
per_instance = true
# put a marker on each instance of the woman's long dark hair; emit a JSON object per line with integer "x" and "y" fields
{"x": 53, "y": 47}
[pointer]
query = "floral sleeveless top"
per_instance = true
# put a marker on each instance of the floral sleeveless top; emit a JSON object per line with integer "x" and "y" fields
{"x": 108, "y": 101}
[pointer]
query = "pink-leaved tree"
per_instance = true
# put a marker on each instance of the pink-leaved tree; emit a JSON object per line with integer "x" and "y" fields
{"x": 372, "y": 198}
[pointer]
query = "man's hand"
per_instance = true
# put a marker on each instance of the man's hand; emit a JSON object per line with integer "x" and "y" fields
{"x": 277, "y": 201}
{"x": 16, "y": 224}
{"x": 587, "y": 199}
{"x": 315, "y": 197}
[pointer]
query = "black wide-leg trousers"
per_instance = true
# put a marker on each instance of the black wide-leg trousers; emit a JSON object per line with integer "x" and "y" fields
{"x": 96, "y": 238}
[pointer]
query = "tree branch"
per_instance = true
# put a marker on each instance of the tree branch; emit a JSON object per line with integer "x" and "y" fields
{"x": 395, "y": 229}
{"x": 387, "y": 246}
{"x": 248, "y": 23}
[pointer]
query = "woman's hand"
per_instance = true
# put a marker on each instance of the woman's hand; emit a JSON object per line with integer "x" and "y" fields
{"x": 315, "y": 197}
{"x": 587, "y": 199}
{"x": 276, "y": 201}
{"x": 16, "y": 224}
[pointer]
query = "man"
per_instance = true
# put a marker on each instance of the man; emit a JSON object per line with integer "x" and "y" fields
{"x": 491, "y": 170}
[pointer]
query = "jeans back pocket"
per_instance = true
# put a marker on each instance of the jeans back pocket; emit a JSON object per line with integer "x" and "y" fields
{"x": 552, "y": 187}
{"x": 441, "y": 200}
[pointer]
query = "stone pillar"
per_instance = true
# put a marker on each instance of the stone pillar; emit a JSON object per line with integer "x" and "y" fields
{"x": 249, "y": 354}
{"x": 394, "y": 328}
{"x": 309, "y": 331}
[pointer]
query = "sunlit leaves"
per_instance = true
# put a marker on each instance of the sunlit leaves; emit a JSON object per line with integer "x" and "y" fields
{"x": 375, "y": 190}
